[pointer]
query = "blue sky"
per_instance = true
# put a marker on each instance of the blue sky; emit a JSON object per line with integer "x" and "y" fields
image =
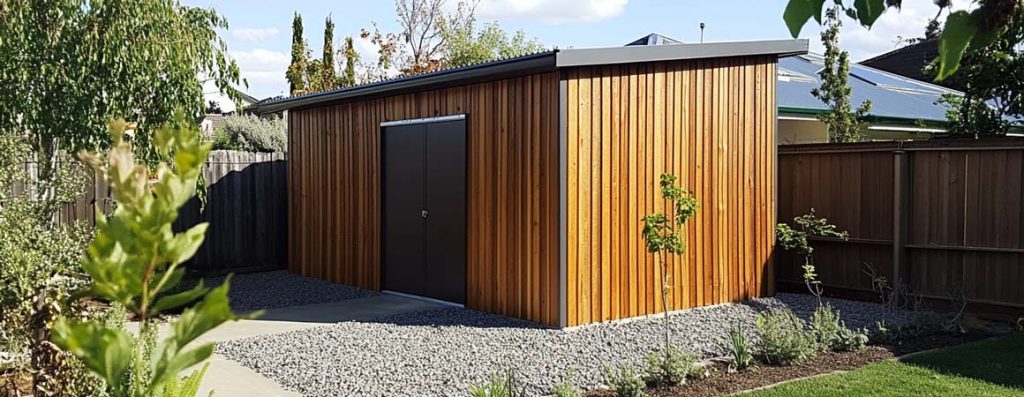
{"x": 260, "y": 32}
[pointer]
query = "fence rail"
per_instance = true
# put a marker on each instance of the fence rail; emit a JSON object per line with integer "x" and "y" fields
{"x": 931, "y": 215}
{"x": 246, "y": 208}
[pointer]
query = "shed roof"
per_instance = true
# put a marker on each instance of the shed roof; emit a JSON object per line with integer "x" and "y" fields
{"x": 541, "y": 62}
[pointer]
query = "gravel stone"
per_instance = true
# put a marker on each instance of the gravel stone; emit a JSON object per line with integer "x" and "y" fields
{"x": 442, "y": 352}
{"x": 266, "y": 290}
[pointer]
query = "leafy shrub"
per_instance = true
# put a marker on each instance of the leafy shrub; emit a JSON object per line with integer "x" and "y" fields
{"x": 832, "y": 334}
{"x": 739, "y": 348}
{"x": 251, "y": 133}
{"x": 825, "y": 326}
{"x": 39, "y": 269}
{"x": 671, "y": 368}
{"x": 625, "y": 381}
{"x": 565, "y": 388}
{"x": 505, "y": 385}
{"x": 784, "y": 340}
{"x": 135, "y": 261}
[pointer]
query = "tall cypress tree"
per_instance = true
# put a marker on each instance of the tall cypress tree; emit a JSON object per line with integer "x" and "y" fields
{"x": 327, "y": 71}
{"x": 349, "y": 79}
{"x": 296, "y": 73}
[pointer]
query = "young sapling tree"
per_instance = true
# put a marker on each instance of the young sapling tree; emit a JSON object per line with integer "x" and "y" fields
{"x": 796, "y": 240}
{"x": 663, "y": 235}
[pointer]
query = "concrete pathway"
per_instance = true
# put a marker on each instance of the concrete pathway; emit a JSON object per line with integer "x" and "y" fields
{"x": 228, "y": 378}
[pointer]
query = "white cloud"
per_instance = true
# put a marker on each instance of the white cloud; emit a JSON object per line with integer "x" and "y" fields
{"x": 254, "y": 34}
{"x": 908, "y": 22}
{"x": 264, "y": 70}
{"x": 551, "y": 11}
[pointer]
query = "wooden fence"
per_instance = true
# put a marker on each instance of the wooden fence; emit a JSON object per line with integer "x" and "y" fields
{"x": 246, "y": 208}
{"x": 931, "y": 215}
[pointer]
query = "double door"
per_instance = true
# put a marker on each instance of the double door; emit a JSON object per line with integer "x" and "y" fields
{"x": 424, "y": 208}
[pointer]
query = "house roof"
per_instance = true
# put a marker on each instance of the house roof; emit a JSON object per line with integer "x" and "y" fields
{"x": 540, "y": 62}
{"x": 893, "y": 98}
{"x": 654, "y": 39}
{"x": 908, "y": 61}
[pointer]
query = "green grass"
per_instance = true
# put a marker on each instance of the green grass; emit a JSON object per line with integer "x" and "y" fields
{"x": 988, "y": 368}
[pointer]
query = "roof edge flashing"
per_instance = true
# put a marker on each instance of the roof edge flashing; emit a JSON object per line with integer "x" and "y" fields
{"x": 574, "y": 57}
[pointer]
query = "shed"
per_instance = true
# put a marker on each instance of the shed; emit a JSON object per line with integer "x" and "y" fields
{"x": 517, "y": 186}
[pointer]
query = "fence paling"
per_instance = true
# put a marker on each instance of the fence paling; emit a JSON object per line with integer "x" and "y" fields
{"x": 246, "y": 208}
{"x": 926, "y": 214}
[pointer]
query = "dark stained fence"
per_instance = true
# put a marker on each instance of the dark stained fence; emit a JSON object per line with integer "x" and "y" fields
{"x": 931, "y": 215}
{"x": 246, "y": 207}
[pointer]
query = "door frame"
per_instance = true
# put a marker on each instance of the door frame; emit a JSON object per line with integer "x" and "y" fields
{"x": 380, "y": 215}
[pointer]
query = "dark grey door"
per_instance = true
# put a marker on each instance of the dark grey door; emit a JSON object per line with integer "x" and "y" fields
{"x": 424, "y": 210}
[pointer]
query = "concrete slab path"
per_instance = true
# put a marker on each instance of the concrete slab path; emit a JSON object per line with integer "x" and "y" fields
{"x": 228, "y": 378}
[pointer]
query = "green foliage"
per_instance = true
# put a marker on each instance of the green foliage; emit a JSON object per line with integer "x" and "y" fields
{"x": 565, "y": 388}
{"x": 67, "y": 67}
{"x": 467, "y": 46}
{"x": 796, "y": 239}
{"x": 134, "y": 261}
{"x": 625, "y": 381}
{"x": 662, "y": 238}
{"x": 327, "y": 78}
{"x": 832, "y": 334}
{"x": 739, "y": 348}
{"x": 964, "y": 29}
{"x": 39, "y": 269}
{"x": 844, "y": 124}
{"x": 348, "y": 79}
{"x": 296, "y": 73}
{"x": 992, "y": 80}
{"x": 784, "y": 339}
{"x": 505, "y": 385}
{"x": 252, "y": 133}
{"x": 670, "y": 369}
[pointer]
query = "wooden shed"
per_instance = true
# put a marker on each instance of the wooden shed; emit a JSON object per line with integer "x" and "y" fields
{"x": 517, "y": 186}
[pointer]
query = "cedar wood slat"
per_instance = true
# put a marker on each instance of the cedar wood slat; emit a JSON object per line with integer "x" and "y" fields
{"x": 720, "y": 147}
{"x": 334, "y": 174}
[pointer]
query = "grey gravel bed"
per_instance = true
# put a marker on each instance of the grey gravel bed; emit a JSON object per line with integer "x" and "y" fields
{"x": 266, "y": 290}
{"x": 441, "y": 352}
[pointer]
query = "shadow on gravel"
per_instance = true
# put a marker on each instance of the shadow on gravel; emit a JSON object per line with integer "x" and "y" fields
{"x": 456, "y": 317}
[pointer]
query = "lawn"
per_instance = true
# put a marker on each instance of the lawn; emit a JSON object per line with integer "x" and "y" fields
{"x": 987, "y": 368}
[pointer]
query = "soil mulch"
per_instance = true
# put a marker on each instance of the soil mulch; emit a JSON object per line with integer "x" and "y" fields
{"x": 721, "y": 382}
{"x": 15, "y": 383}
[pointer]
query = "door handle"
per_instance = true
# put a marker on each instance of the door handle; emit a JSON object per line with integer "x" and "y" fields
{"x": 424, "y": 214}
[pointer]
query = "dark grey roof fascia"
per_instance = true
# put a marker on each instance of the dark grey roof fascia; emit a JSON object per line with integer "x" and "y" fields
{"x": 634, "y": 54}
{"x": 534, "y": 63}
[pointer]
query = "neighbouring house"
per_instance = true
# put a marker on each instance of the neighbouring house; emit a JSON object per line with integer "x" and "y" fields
{"x": 901, "y": 108}
{"x": 517, "y": 186}
{"x": 908, "y": 61}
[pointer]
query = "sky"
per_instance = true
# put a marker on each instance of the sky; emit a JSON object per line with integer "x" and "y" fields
{"x": 259, "y": 36}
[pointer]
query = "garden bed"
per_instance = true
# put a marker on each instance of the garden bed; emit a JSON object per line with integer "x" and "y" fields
{"x": 721, "y": 381}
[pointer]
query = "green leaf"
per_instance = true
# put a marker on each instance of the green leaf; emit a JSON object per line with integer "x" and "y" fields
{"x": 798, "y": 12}
{"x": 168, "y": 371}
{"x": 179, "y": 299}
{"x": 960, "y": 29}
{"x": 105, "y": 351}
{"x": 868, "y": 11}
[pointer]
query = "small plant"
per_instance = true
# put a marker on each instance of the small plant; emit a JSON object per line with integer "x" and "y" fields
{"x": 784, "y": 340}
{"x": 662, "y": 237}
{"x": 625, "y": 381}
{"x": 739, "y": 348}
{"x": 135, "y": 261}
{"x": 825, "y": 326}
{"x": 503, "y": 385}
{"x": 848, "y": 340}
{"x": 796, "y": 239}
{"x": 671, "y": 369}
{"x": 565, "y": 388}
{"x": 832, "y": 334}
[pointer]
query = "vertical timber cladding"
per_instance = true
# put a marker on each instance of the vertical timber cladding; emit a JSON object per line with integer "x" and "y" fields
{"x": 711, "y": 123}
{"x": 512, "y": 183}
